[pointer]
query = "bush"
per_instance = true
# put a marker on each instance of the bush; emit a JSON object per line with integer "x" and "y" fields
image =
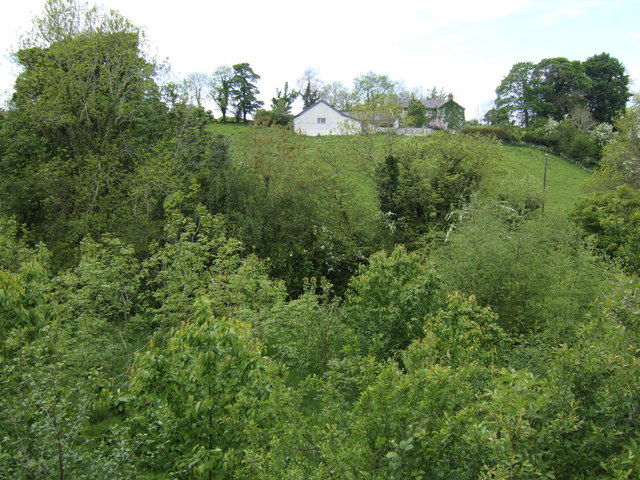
{"x": 487, "y": 131}
{"x": 535, "y": 274}
{"x": 612, "y": 220}
{"x": 576, "y": 144}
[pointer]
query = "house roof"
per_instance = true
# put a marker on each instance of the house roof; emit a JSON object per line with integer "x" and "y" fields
{"x": 341, "y": 113}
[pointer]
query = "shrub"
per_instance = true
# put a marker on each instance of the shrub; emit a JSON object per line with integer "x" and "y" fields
{"x": 487, "y": 131}
{"x": 576, "y": 144}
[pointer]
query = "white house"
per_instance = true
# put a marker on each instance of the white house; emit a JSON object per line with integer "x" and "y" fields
{"x": 322, "y": 119}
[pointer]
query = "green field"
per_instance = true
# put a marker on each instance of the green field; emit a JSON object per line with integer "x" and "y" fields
{"x": 527, "y": 162}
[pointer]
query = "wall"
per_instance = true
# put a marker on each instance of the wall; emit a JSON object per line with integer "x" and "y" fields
{"x": 336, "y": 124}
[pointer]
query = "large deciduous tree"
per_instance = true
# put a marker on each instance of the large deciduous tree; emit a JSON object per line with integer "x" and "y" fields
{"x": 221, "y": 85}
{"x": 244, "y": 90}
{"x": 84, "y": 115}
{"x": 515, "y": 94}
{"x": 560, "y": 86}
{"x": 556, "y": 87}
{"x": 609, "y": 90}
{"x": 88, "y": 90}
{"x": 196, "y": 84}
{"x": 337, "y": 95}
{"x": 369, "y": 86}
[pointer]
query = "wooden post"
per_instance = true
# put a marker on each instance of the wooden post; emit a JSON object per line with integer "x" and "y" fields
{"x": 544, "y": 182}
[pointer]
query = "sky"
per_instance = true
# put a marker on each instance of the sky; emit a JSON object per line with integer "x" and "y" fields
{"x": 464, "y": 47}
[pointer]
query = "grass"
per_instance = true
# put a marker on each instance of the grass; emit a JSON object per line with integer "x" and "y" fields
{"x": 231, "y": 128}
{"x": 527, "y": 162}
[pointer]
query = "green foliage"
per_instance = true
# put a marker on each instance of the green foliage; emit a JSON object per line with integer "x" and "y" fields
{"x": 612, "y": 220}
{"x": 428, "y": 177}
{"x": 416, "y": 115}
{"x": 243, "y": 91}
{"x": 388, "y": 301}
{"x": 535, "y": 274}
{"x": 48, "y": 390}
{"x": 600, "y": 372}
{"x": 82, "y": 121}
{"x": 105, "y": 282}
{"x": 560, "y": 86}
{"x": 553, "y": 87}
{"x": 609, "y": 86}
{"x": 148, "y": 356}
{"x": 198, "y": 256}
{"x": 576, "y": 144}
{"x": 306, "y": 334}
{"x": 299, "y": 210}
{"x": 487, "y": 131}
{"x": 221, "y": 84}
{"x": 369, "y": 87}
{"x": 281, "y": 105}
{"x": 461, "y": 332}
{"x": 452, "y": 114}
{"x": 395, "y": 432}
{"x": 86, "y": 92}
{"x": 198, "y": 404}
{"x": 515, "y": 95}
{"x": 621, "y": 157}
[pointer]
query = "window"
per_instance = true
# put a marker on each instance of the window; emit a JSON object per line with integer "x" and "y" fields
{"x": 322, "y": 120}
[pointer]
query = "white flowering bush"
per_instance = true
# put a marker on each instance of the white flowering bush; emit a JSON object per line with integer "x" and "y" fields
{"x": 602, "y": 134}
{"x": 550, "y": 127}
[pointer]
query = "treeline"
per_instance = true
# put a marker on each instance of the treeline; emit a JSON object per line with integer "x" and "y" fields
{"x": 567, "y": 105}
{"x": 176, "y": 304}
{"x": 372, "y": 95}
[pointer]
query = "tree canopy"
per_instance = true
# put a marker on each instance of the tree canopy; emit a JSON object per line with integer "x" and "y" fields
{"x": 554, "y": 87}
{"x": 244, "y": 90}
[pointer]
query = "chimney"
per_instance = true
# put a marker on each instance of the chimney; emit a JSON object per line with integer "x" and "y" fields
{"x": 450, "y": 97}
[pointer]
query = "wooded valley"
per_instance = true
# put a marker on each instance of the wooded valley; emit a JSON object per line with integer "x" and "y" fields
{"x": 182, "y": 297}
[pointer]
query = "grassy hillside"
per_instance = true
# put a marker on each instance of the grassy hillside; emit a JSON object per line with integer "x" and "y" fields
{"x": 520, "y": 164}
{"x": 527, "y": 163}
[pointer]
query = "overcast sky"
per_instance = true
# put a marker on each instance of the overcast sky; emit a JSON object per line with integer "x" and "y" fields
{"x": 465, "y": 47}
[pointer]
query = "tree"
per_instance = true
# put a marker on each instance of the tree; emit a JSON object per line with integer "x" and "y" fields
{"x": 555, "y": 87}
{"x": 244, "y": 90}
{"x": 609, "y": 90}
{"x": 88, "y": 91}
{"x": 621, "y": 156}
{"x": 202, "y": 398}
{"x": 369, "y": 86}
{"x": 537, "y": 275}
{"x": 416, "y": 113}
{"x": 196, "y": 83}
{"x": 427, "y": 178}
{"x": 66, "y": 19}
{"x": 515, "y": 98}
{"x": 221, "y": 87}
{"x": 310, "y": 87}
{"x": 337, "y": 95}
{"x": 560, "y": 86}
{"x": 84, "y": 112}
{"x": 388, "y": 301}
{"x": 281, "y": 105}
